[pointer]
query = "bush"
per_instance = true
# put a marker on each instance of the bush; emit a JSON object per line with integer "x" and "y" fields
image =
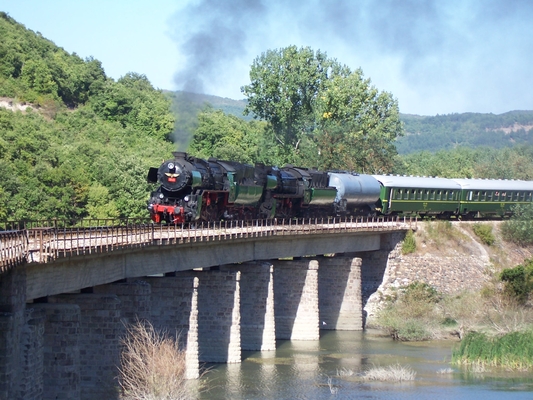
{"x": 484, "y": 232}
{"x": 411, "y": 316}
{"x": 519, "y": 280}
{"x": 409, "y": 243}
{"x": 152, "y": 366}
{"x": 519, "y": 229}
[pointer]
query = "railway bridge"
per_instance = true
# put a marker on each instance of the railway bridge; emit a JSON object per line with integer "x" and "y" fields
{"x": 67, "y": 294}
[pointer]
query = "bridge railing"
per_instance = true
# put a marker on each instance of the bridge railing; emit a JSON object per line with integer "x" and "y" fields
{"x": 54, "y": 240}
{"x": 13, "y": 249}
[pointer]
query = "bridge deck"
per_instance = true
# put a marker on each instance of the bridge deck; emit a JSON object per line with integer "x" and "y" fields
{"x": 46, "y": 244}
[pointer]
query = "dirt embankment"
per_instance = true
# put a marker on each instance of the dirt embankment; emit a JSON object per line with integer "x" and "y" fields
{"x": 451, "y": 258}
{"x": 13, "y": 105}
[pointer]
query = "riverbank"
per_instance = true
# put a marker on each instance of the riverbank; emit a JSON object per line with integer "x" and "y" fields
{"x": 450, "y": 286}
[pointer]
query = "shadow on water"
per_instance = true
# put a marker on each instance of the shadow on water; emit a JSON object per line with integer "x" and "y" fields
{"x": 332, "y": 368}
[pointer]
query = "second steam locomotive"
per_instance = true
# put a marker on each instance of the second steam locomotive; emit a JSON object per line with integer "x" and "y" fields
{"x": 193, "y": 189}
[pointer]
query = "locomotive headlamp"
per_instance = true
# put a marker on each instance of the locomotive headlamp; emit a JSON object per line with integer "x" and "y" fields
{"x": 171, "y": 165}
{"x": 186, "y": 198}
{"x": 161, "y": 195}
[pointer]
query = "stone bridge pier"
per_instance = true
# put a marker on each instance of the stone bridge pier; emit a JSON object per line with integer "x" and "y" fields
{"x": 67, "y": 346}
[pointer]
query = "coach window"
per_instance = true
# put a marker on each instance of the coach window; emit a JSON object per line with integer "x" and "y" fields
{"x": 522, "y": 196}
{"x": 529, "y": 196}
{"x": 489, "y": 195}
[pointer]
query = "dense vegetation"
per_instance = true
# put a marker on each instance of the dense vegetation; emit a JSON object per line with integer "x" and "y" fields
{"x": 445, "y": 132}
{"x": 83, "y": 147}
{"x": 421, "y": 133}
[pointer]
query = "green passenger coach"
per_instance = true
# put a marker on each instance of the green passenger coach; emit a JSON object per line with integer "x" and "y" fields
{"x": 467, "y": 198}
{"x": 418, "y": 195}
{"x": 481, "y": 197}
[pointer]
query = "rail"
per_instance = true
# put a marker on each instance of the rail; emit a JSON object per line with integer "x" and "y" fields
{"x": 54, "y": 240}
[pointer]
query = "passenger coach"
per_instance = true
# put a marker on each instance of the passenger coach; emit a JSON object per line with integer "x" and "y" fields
{"x": 492, "y": 197}
{"x": 418, "y": 195}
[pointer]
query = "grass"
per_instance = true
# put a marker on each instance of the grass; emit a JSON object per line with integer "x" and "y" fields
{"x": 439, "y": 235}
{"x": 512, "y": 351}
{"x": 152, "y": 365}
{"x": 409, "y": 243}
{"x": 392, "y": 373}
{"x": 484, "y": 233}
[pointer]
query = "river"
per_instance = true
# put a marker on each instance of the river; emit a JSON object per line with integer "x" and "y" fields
{"x": 331, "y": 369}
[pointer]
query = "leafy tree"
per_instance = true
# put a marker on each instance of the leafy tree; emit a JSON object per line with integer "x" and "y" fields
{"x": 519, "y": 229}
{"x": 321, "y": 112}
{"x": 3, "y": 208}
{"x": 357, "y": 125}
{"x": 132, "y": 101}
{"x": 229, "y": 138}
{"x": 284, "y": 86}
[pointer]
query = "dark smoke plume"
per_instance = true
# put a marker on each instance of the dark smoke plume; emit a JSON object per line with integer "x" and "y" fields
{"x": 458, "y": 54}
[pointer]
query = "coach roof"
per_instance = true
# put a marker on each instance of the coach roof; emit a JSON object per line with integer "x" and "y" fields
{"x": 417, "y": 182}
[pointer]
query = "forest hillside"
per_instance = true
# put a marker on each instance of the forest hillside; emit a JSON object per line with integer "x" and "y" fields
{"x": 421, "y": 133}
{"x": 75, "y": 143}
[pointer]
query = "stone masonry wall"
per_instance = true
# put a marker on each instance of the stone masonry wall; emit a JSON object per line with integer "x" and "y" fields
{"x": 296, "y": 299}
{"x": 386, "y": 270}
{"x": 32, "y": 343}
{"x": 12, "y": 320}
{"x": 219, "y": 336}
{"x": 60, "y": 350}
{"x": 100, "y": 331}
{"x": 339, "y": 292}
{"x": 257, "y": 305}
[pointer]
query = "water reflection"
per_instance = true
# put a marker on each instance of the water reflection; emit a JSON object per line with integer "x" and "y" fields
{"x": 331, "y": 369}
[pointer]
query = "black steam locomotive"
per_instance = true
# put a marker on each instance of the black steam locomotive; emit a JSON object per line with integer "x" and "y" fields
{"x": 193, "y": 189}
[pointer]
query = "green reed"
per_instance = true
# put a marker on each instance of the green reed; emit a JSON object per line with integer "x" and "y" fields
{"x": 512, "y": 351}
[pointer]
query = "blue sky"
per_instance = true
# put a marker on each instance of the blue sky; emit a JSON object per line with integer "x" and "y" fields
{"x": 434, "y": 56}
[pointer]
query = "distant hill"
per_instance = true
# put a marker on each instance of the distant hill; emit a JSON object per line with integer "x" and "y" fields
{"x": 467, "y": 129}
{"x": 431, "y": 133}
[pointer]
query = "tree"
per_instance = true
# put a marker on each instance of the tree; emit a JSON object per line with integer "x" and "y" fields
{"x": 284, "y": 86}
{"x": 228, "y": 138}
{"x": 132, "y": 101}
{"x": 519, "y": 229}
{"x": 321, "y": 112}
{"x": 356, "y": 125}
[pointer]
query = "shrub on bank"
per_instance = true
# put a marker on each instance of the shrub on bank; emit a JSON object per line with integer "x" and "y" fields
{"x": 484, "y": 233}
{"x": 152, "y": 366}
{"x": 409, "y": 243}
{"x": 511, "y": 351}
{"x": 518, "y": 281}
{"x": 410, "y": 315}
{"x": 519, "y": 229}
